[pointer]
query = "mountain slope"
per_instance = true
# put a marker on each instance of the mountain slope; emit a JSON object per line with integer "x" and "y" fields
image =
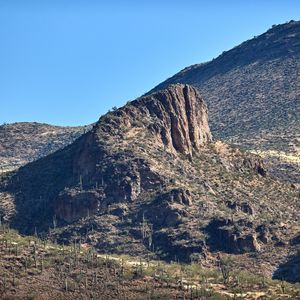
{"x": 148, "y": 179}
{"x": 253, "y": 92}
{"x": 34, "y": 269}
{"x": 24, "y": 142}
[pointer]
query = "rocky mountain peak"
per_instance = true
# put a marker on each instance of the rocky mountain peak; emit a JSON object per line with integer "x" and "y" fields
{"x": 179, "y": 116}
{"x": 175, "y": 117}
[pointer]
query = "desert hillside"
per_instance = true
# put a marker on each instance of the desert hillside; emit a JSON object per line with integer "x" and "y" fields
{"x": 24, "y": 142}
{"x": 150, "y": 180}
{"x": 253, "y": 95}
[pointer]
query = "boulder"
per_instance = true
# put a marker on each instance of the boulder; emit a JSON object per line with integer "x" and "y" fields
{"x": 248, "y": 243}
{"x": 245, "y": 207}
{"x": 263, "y": 234}
{"x": 168, "y": 208}
{"x": 180, "y": 196}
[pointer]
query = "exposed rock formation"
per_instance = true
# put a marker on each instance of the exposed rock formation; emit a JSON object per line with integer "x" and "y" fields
{"x": 181, "y": 118}
{"x": 176, "y": 119}
{"x": 233, "y": 238}
{"x": 289, "y": 270}
{"x": 149, "y": 180}
{"x": 74, "y": 204}
{"x": 169, "y": 208}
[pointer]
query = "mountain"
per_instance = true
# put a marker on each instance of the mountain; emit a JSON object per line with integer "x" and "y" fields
{"x": 253, "y": 95}
{"x": 24, "y": 142}
{"x": 149, "y": 179}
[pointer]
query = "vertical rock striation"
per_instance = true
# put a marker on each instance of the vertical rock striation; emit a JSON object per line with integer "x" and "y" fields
{"x": 180, "y": 117}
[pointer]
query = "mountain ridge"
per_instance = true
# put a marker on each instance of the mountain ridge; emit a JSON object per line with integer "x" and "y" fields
{"x": 253, "y": 94}
{"x": 149, "y": 180}
{"x": 24, "y": 142}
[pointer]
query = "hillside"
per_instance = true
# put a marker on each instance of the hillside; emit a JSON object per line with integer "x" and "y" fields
{"x": 21, "y": 143}
{"x": 253, "y": 95}
{"x": 150, "y": 180}
{"x": 32, "y": 268}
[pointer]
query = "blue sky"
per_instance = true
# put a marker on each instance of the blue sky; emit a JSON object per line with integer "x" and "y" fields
{"x": 67, "y": 62}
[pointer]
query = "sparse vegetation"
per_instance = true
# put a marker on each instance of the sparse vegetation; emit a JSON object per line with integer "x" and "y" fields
{"x": 253, "y": 96}
{"x": 25, "y": 142}
{"x": 42, "y": 270}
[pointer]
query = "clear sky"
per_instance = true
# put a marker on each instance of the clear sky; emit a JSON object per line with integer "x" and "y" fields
{"x": 67, "y": 62}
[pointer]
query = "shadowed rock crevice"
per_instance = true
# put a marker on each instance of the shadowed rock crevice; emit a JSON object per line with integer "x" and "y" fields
{"x": 289, "y": 270}
{"x": 230, "y": 237}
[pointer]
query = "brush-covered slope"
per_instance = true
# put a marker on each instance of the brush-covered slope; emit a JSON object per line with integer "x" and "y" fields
{"x": 24, "y": 142}
{"x": 148, "y": 179}
{"x": 35, "y": 269}
{"x": 253, "y": 94}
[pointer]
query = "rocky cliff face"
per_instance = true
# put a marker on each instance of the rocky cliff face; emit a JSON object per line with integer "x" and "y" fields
{"x": 174, "y": 119}
{"x": 180, "y": 118}
{"x": 148, "y": 179}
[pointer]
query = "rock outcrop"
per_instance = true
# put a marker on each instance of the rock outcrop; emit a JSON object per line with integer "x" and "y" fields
{"x": 227, "y": 236}
{"x": 181, "y": 118}
{"x": 168, "y": 209}
{"x": 289, "y": 270}
{"x": 148, "y": 179}
{"x": 176, "y": 120}
{"x": 74, "y": 204}
{"x": 104, "y": 169}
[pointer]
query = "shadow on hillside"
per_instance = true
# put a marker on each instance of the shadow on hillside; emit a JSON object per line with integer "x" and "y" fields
{"x": 289, "y": 270}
